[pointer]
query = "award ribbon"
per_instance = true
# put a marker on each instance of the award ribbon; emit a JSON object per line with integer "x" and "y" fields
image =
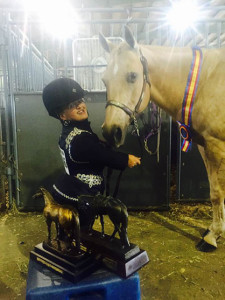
{"x": 189, "y": 97}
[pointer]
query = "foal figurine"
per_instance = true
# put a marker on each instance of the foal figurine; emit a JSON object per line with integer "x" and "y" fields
{"x": 66, "y": 219}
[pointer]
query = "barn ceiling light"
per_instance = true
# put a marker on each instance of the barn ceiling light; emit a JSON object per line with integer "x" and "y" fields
{"x": 57, "y": 16}
{"x": 183, "y": 14}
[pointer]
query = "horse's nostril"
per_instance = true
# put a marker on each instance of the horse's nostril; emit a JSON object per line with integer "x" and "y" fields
{"x": 112, "y": 134}
{"x": 117, "y": 135}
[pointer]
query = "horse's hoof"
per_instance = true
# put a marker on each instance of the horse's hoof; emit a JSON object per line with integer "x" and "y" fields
{"x": 205, "y": 233}
{"x": 205, "y": 247}
{"x": 125, "y": 246}
{"x": 49, "y": 243}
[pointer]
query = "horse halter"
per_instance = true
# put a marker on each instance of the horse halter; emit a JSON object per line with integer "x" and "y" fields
{"x": 126, "y": 109}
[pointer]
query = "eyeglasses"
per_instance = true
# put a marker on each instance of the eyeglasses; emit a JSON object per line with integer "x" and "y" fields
{"x": 75, "y": 103}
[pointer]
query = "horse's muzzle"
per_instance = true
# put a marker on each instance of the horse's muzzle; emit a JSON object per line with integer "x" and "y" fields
{"x": 113, "y": 135}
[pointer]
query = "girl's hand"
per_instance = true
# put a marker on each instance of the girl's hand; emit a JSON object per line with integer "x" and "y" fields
{"x": 133, "y": 161}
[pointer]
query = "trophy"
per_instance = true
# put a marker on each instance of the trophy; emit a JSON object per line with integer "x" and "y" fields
{"x": 77, "y": 251}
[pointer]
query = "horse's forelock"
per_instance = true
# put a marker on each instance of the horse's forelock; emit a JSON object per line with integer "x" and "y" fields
{"x": 124, "y": 46}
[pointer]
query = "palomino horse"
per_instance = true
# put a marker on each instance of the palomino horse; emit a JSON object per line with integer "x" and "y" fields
{"x": 137, "y": 72}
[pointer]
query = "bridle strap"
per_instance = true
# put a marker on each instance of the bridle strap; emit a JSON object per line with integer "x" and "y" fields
{"x": 122, "y": 106}
{"x": 145, "y": 80}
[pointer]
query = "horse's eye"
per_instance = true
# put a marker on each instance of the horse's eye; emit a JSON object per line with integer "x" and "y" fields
{"x": 131, "y": 77}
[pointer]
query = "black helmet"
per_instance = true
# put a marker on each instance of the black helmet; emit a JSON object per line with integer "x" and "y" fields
{"x": 59, "y": 93}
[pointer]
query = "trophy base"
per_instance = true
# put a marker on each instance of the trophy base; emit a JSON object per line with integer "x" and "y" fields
{"x": 95, "y": 252}
{"x": 71, "y": 265}
{"x": 122, "y": 261}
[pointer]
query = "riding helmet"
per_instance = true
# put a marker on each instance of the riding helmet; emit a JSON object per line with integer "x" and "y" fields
{"x": 59, "y": 93}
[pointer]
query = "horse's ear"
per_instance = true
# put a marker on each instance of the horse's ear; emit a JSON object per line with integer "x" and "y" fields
{"x": 106, "y": 44}
{"x": 129, "y": 37}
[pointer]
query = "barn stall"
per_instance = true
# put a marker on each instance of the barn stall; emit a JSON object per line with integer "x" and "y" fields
{"x": 31, "y": 57}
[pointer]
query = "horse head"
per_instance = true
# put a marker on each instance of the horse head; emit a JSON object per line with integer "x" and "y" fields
{"x": 127, "y": 85}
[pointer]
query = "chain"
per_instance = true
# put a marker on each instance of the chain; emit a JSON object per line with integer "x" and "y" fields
{"x": 136, "y": 126}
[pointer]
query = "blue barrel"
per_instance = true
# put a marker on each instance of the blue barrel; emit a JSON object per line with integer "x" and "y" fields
{"x": 44, "y": 284}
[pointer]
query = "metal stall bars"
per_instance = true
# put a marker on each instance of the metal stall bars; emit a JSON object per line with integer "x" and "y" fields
{"x": 24, "y": 69}
{"x": 4, "y": 202}
{"x": 89, "y": 62}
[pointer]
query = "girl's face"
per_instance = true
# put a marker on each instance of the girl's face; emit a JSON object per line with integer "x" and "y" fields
{"x": 76, "y": 111}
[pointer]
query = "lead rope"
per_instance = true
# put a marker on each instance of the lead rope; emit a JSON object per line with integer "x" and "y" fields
{"x": 110, "y": 170}
{"x": 136, "y": 132}
{"x": 153, "y": 131}
{"x": 117, "y": 184}
{"x": 108, "y": 179}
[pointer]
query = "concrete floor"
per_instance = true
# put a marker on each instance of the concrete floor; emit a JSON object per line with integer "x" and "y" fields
{"x": 176, "y": 269}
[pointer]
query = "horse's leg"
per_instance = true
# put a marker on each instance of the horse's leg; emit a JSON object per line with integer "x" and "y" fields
{"x": 204, "y": 158}
{"x": 215, "y": 165}
{"x": 57, "y": 226}
{"x": 60, "y": 231}
{"x": 123, "y": 237}
{"x": 77, "y": 232}
{"x": 115, "y": 216}
{"x": 122, "y": 234}
{"x": 91, "y": 224}
{"x": 49, "y": 222}
{"x": 116, "y": 229}
{"x": 102, "y": 224}
{"x": 123, "y": 228}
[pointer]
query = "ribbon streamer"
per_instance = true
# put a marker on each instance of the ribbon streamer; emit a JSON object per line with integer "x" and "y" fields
{"x": 189, "y": 97}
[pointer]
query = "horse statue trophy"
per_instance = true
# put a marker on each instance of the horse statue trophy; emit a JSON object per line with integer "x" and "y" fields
{"x": 117, "y": 254}
{"x": 188, "y": 83}
{"x": 63, "y": 254}
{"x": 82, "y": 247}
{"x": 67, "y": 224}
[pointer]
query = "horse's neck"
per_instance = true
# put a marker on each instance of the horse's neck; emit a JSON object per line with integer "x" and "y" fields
{"x": 168, "y": 72}
{"x": 48, "y": 198}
